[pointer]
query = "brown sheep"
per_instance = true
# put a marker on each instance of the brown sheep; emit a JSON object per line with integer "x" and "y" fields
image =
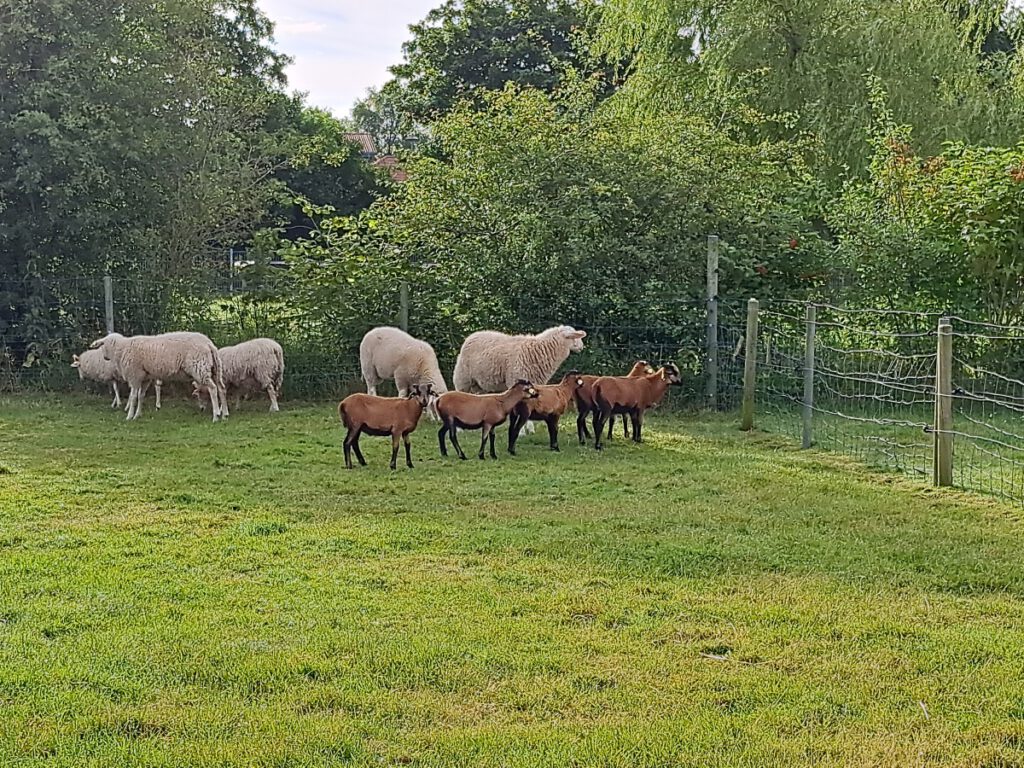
{"x": 633, "y": 396}
{"x": 585, "y": 402}
{"x": 548, "y": 406}
{"x": 380, "y": 416}
{"x": 462, "y": 410}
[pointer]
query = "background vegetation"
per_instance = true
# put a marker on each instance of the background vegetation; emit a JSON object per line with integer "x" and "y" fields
{"x": 565, "y": 162}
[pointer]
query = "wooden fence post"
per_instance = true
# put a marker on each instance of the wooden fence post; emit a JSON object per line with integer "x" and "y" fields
{"x": 108, "y": 302}
{"x": 943, "y": 432}
{"x": 711, "y": 374}
{"x": 749, "y": 368}
{"x": 403, "y": 306}
{"x": 808, "y": 435}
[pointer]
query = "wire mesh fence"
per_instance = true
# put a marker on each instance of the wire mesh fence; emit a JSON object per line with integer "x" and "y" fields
{"x": 874, "y": 391}
{"x": 321, "y": 362}
{"x": 871, "y": 392}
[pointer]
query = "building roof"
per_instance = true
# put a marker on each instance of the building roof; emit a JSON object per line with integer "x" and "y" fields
{"x": 390, "y": 164}
{"x": 364, "y": 141}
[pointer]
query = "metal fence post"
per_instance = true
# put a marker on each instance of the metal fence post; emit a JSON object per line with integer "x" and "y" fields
{"x": 108, "y": 302}
{"x": 943, "y": 432}
{"x": 749, "y": 368}
{"x": 403, "y": 306}
{"x": 711, "y": 375}
{"x": 808, "y": 435}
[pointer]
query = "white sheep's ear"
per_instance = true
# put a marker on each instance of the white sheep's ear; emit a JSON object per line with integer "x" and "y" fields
{"x": 574, "y": 334}
{"x": 97, "y": 344}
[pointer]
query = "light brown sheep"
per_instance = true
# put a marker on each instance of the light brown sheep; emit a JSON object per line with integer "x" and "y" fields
{"x": 551, "y": 402}
{"x": 462, "y": 410}
{"x": 585, "y": 402}
{"x": 631, "y": 396}
{"x": 381, "y": 416}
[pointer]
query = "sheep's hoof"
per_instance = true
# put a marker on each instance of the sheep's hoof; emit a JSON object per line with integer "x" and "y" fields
{"x": 555, "y": 448}
{"x": 393, "y": 467}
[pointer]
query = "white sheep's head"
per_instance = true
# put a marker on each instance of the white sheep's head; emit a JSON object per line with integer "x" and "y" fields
{"x": 107, "y": 344}
{"x": 576, "y": 337}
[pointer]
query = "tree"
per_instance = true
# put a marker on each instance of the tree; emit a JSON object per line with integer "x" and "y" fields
{"x": 468, "y": 46}
{"x": 323, "y": 167}
{"x": 803, "y": 66}
{"x": 383, "y": 114}
{"x": 132, "y": 139}
{"x": 541, "y": 210}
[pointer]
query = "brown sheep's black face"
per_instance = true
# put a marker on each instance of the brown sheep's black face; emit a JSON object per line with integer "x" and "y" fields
{"x": 423, "y": 395}
{"x": 527, "y": 388}
{"x": 672, "y": 374}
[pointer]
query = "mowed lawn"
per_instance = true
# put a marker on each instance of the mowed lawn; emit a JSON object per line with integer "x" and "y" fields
{"x": 179, "y": 593}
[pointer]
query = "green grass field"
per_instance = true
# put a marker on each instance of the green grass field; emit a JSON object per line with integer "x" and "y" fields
{"x": 179, "y": 593}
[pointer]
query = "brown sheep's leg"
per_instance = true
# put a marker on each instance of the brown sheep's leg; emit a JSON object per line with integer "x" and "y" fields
{"x": 553, "y": 432}
{"x": 514, "y": 425}
{"x": 491, "y": 436}
{"x": 348, "y": 449}
{"x": 355, "y": 447}
{"x": 452, "y": 433}
{"x": 440, "y": 437}
{"x": 599, "y": 419}
{"x": 394, "y": 450}
{"x": 611, "y": 424}
{"x": 408, "y": 450}
{"x": 625, "y": 427}
{"x": 484, "y": 431}
{"x": 638, "y": 423}
{"x": 581, "y": 427}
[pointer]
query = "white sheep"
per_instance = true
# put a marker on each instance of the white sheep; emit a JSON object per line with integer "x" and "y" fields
{"x": 252, "y": 366}
{"x": 490, "y": 361}
{"x": 92, "y": 366}
{"x": 180, "y": 356}
{"x": 391, "y": 353}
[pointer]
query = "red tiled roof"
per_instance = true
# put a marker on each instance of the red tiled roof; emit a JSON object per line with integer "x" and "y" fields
{"x": 364, "y": 141}
{"x": 390, "y": 163}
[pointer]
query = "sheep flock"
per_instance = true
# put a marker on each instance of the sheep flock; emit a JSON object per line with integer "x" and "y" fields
{"x": 497, "y": 378}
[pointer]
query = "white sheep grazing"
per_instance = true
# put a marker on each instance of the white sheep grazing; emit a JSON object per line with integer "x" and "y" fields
{"x": 252, "y": 366}
{"x": 391, "y": 353}
{"x": 182, "y": 356}
{"x": 92, "y": 366}
{"x": 490, "y": 361}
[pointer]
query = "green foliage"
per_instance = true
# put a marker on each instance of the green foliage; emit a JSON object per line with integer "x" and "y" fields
{"x": 466, "y": 47}
{"x": 540, "y": 211}
{"x": 132, "y": 139}
{"x": 803, "y": 64}
{"x": 322, "y": 165}
{"x": 384, "y": 114}
{"x": 941, "y": 232}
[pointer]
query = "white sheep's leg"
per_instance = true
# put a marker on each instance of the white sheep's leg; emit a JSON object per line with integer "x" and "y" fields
{"x": 159, "y": 384}
{"x": 273, "y": 399}
{"x": 222, "y": 394}
{"x": 142, "y": 396}
{"x": 133, "y": 395}
{"x": 117, "y": 395}
{"x": 215, "y": 402}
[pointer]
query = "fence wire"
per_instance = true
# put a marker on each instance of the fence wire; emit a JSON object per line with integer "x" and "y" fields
{"x": 874, "y": 391}
{"x": 874, "y": 377}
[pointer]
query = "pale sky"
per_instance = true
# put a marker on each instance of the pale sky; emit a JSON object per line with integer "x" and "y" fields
{"x": 340, "y": 48}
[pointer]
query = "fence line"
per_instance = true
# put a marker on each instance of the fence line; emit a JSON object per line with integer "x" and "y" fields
{"x": 903, "y": 402}
{"x": 856, "y": 380}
